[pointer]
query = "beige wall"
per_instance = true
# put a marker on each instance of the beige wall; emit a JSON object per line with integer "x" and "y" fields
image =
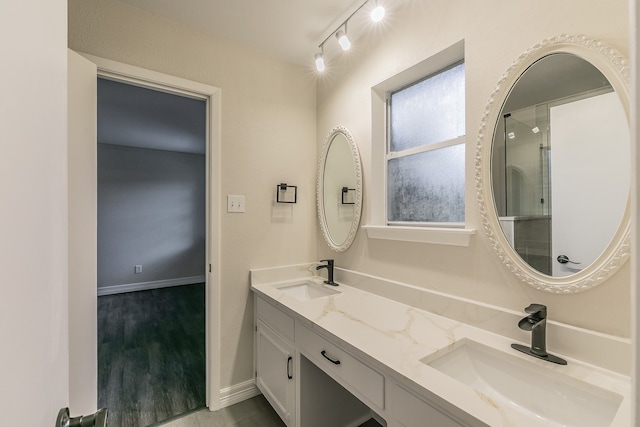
{"x": 34, "y": 359}
{"x": 268, "y": 137}
{"x": 496, "y": 32}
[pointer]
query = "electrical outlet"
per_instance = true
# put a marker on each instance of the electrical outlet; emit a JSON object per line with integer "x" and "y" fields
{"x": 138, "y": 269}
{"x": 235, "y": 203}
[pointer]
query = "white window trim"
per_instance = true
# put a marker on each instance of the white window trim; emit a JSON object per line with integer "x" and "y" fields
{"x": 377, "y": 227}
{"x": 440, "y": 236}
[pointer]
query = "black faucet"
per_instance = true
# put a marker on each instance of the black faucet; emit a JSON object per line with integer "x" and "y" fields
{"x": 536, "y": 323}
{"x": 329, "y": 267}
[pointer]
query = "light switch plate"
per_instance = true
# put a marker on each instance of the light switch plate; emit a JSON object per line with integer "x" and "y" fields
{"x": 235, "y": 203}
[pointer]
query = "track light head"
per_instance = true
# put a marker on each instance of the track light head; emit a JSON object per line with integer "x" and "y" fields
{"x": 343, "y": 40}
{"x": 319, "y": 62}
{"x": 377, "y": 14}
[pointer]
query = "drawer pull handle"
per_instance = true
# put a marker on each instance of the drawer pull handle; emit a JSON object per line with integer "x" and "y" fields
{"x": 324, "y": 354}
{"x": 289, "y": 367}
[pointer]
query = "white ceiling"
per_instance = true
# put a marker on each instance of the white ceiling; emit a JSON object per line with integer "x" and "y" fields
{"x": 289, "y": 30}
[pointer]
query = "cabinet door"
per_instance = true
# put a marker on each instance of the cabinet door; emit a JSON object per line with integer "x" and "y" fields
{"x": 275, "y": 371}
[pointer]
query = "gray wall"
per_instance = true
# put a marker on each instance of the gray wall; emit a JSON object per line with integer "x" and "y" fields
{"x": 151, "y": 212}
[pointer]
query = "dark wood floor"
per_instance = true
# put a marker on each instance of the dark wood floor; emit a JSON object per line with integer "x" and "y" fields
{"x": 151, "y": 354}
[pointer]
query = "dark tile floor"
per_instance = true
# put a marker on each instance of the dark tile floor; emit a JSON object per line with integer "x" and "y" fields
{"x": 151, "y": 354}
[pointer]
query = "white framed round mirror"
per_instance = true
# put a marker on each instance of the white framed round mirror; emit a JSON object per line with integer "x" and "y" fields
{"x": 339, "y": 189}
{"x": 553, "y": 165}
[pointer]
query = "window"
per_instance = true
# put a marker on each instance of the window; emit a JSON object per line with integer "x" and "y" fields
{"x": 418, "y": 153}
{"x": 425, "y": 159}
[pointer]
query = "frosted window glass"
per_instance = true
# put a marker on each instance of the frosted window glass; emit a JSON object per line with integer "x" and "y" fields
{"x": 429, "y": 111}
{"x": 427, "y": 187}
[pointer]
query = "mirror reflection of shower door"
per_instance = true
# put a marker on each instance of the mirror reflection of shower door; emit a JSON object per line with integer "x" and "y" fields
{"x": 527, "y": 180}
{"x": 528, "y": 184}
{"x": 586, "y": 135}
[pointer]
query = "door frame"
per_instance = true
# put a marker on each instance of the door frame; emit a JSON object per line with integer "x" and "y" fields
{"x": 118, "y": 71}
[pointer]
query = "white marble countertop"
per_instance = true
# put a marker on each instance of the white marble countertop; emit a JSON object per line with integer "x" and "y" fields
{"x": 398, "y": 336}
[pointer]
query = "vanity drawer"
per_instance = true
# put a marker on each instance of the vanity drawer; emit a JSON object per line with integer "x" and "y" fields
{"x": 341, "y": 365}
{"x": 275, "y": 318}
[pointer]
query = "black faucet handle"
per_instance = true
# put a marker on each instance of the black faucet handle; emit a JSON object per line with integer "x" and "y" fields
{"x": 328, "y": 261}
{"x": 537, "y": 310}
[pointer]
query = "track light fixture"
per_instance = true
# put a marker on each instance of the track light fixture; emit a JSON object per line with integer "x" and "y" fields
{"x": 377, "y": 14}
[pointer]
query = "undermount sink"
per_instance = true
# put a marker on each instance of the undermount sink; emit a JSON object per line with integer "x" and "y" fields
{"x": 546, "y": 395}
{"x": 305, "y": 291}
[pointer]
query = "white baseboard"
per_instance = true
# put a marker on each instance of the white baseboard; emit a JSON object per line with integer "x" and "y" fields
{"x": 237, "y": 393}
{"x": 144, "y": 286}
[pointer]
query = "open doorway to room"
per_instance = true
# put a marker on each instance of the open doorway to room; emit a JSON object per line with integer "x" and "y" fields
{"x": 152, "y": 208}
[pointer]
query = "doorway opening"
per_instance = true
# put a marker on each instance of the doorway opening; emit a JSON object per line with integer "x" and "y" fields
{"x": 152, "y": 251}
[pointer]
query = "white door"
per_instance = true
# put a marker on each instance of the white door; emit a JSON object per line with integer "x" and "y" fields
{"x": 83, "y": 299}
{"x": 83, "y": 227}
{"x": 587, "y": 138}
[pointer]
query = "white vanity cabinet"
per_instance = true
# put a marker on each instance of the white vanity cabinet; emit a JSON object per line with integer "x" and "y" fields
{"x": 275, "y": 360}
{"x": 358, "y": 354}
{"x": 312, "y": 380}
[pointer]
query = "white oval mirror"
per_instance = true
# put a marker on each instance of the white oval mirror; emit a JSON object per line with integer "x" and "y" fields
{"x": 339, "y": 189}
{"x": 553, "y": 168}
